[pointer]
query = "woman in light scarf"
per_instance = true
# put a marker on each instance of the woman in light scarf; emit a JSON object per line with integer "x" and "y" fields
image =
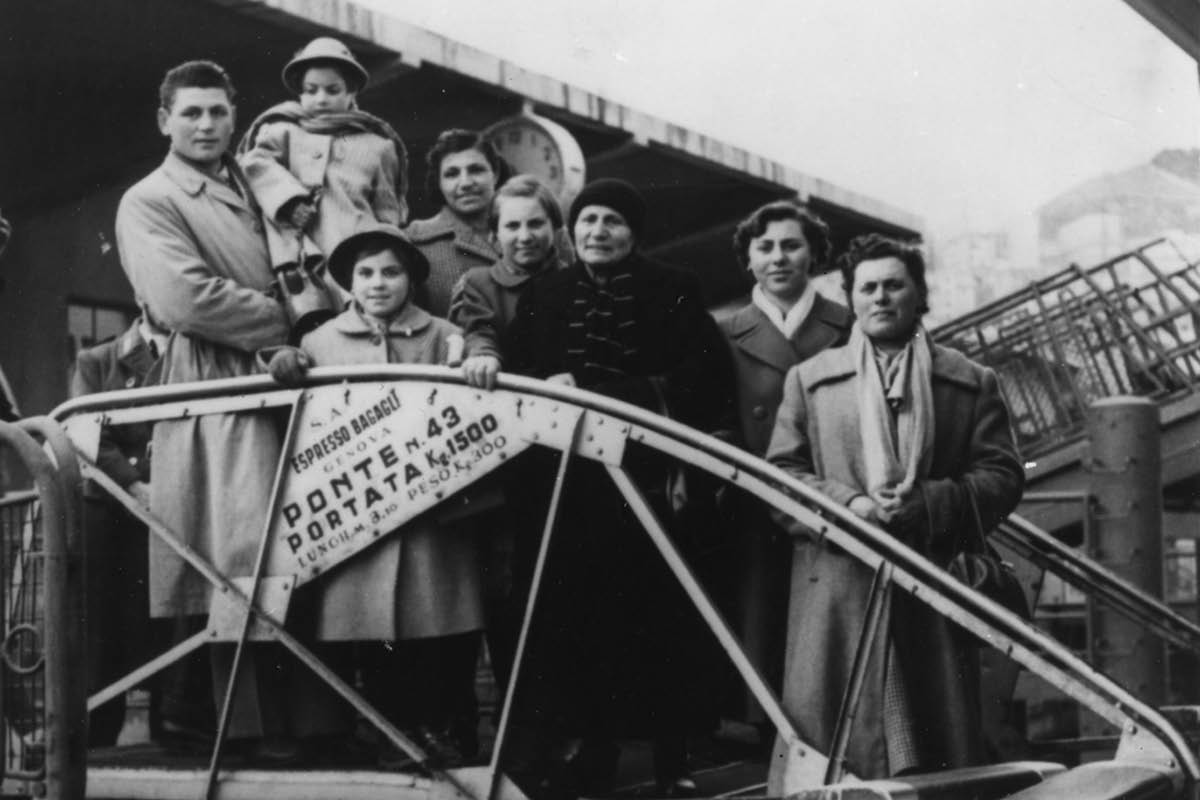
{"x": 914, "y": 438}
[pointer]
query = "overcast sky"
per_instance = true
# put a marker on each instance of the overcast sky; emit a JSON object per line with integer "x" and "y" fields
{"x": 963, "y": 111}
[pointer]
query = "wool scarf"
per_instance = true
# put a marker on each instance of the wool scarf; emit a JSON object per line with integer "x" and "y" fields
{"x": 895, "y": 412}
{"x": 790, "y": 321}
{"x": 602, "y": 342}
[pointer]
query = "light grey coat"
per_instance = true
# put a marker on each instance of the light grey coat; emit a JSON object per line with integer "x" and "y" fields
{"x": 194, "y": 250}
{"x": 423, "y": 579}
{"x": 817, "y": 439}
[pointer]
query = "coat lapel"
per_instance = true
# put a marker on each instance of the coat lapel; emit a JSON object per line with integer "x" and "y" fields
{"x": 193, "y": 181}
{"x": 828, "y": 324}
{"x": 757, "y": 337}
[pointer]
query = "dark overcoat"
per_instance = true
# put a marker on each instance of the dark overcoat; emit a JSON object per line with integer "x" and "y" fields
{"x": 817, "y": 439}
{"x": 617, "y": 647}
{"x": 118, "y": 629}
{"x": 762, "y": 356}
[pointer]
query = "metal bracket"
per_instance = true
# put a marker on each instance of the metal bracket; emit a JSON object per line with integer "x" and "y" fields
{"x": 226, "y": 617}
{"x": 602, "y": 438}
{"x": 84, "y": 433}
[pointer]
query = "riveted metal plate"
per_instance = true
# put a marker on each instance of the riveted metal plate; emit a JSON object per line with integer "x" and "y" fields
{"x": 226, "y": 617}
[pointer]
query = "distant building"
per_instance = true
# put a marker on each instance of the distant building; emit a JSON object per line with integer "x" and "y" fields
{"x": 971, "y": 270}
{"x": 1116, "y": 212}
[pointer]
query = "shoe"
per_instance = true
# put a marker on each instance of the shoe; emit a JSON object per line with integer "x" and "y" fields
{"x": 683, "y": 786}
{"x": 440, "y": 752}
{"x": 337, "y": 750}
{"x": 181, "y": 739}
{"x": 465, "y": 735}
{"x": 277, "y": 751}
{"x": 392, "y": 759}
{"x": 588, "y": 764}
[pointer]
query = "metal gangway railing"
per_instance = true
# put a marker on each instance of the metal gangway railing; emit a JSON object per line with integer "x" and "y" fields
{"x": 1128, "y": 326}
{"x": 577, "y": 425}
{"x": 41, "y": 569}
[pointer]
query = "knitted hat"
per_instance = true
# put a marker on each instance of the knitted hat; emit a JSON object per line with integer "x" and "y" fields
{"x": 616, "y": 194}
{"x": 342, "y": 259}
{"x": 325, "y": 48}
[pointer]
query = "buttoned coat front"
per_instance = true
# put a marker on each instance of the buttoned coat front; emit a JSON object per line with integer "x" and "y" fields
{"x": 817, "y": 439}
{"x": 762, "y": 356}
{"x": 194, "y": 250}
{"x": 424, "y": 578}
{"x": 354, "y": 177}
{"x": 452, "y": 248}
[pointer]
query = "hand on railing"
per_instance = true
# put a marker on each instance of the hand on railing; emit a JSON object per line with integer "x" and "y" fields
{"x": 481, "y": 371}
{"x": 141, "y": 492}
{"x": 289, "y": 365}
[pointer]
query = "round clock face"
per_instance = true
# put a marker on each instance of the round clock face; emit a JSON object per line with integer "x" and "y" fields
{"x": 527, "y": 148}
{"x": 542, "y": 148}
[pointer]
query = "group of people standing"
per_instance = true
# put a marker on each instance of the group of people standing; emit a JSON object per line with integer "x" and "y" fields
{"x": 859, "y": 403}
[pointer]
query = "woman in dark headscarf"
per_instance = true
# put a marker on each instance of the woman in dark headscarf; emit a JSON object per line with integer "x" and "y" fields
{"x": 617, "y": 645}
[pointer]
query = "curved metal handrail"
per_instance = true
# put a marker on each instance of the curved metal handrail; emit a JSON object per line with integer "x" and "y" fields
{"x": 911, "y": 572}
{"x": 1036, "y": 545}
{"x": 66, "y": 723}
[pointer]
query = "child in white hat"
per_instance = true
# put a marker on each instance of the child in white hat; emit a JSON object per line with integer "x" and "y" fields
{"x": 319, "y": 167}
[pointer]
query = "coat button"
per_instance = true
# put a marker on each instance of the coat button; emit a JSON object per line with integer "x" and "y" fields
{"x": 759, "y": 412}
{"x": 318, "y": 154}
{"x": 130, "y": 382}
{"x": 376, "y": 340}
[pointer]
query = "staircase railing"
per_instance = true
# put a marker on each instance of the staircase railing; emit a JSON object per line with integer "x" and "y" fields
{"x": 1050, "y": 555}
{"x": 1130, "y": 325}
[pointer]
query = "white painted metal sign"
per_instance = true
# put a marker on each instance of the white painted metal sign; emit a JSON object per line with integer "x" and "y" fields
{"x": 370, "y": 457}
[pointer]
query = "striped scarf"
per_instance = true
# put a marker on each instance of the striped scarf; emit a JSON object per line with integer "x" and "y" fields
{"x": 602, "y": 342}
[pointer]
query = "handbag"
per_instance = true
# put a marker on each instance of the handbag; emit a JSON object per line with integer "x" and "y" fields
{"x": 980, "y": 567}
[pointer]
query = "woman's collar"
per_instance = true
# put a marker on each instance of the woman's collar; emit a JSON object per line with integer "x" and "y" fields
{"x": 509, "y": 275}
{"x": 411, "y": 320}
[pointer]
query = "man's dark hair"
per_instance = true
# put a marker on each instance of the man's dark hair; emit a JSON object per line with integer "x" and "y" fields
{"x": 193, "y": 75}
{"x": 875, "y": 246}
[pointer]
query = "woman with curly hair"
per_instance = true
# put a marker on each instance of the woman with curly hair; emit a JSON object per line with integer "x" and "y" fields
{"x": 463, "y": 171}
{"x": 913, "y": 438}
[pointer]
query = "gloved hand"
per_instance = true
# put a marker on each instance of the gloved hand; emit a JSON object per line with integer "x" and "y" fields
{"x": 289, "y": 365}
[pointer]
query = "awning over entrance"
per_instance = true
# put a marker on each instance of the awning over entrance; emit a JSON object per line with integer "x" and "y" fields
{"x": 83, "y": 80}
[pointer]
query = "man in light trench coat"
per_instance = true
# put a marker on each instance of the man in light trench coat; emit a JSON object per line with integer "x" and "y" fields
{"x": 193, "y": 246}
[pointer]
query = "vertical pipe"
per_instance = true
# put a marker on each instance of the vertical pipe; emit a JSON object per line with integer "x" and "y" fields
{"x": 1125, "y": 483}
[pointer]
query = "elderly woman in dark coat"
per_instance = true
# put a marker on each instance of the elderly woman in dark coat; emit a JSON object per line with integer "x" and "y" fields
{"x": 914, "y": 438}
{"x": 785, "y": 322}
{"x": 617, "y": 645}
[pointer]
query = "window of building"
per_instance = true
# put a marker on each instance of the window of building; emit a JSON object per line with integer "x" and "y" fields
{"x": 88, "y": 324}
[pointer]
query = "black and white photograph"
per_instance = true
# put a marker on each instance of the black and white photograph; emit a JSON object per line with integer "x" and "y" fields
{"x": 533, "y": 400}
